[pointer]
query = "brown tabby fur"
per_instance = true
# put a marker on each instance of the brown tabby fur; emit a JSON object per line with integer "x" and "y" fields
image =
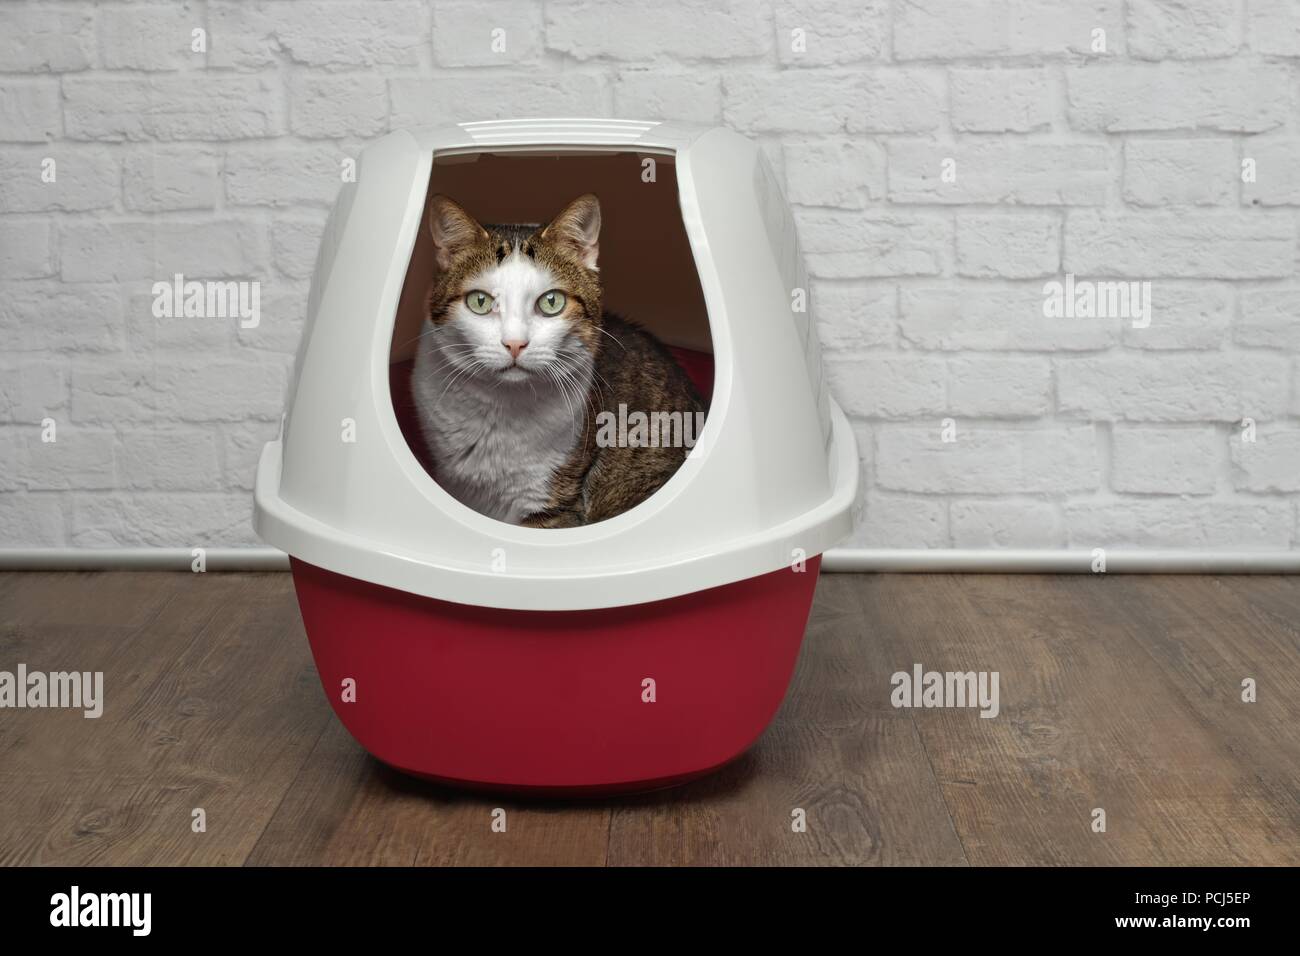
{"x": 632, "y": 367}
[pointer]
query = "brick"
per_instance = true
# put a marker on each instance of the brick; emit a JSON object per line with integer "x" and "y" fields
{"x": 241, "y": 448}
{"x": 1269, "y": 464}
{"x": 1000, "y": 172}
{"x": 999, "y": 387}
{"x": 32, "y": 520}
{"x": 183, "y": 390}
{"x": 1019, "y": 523}
{"x": 937, "y": 29}
{"x": 857, "y": 245}
{"x": 1207, "y": 245}
{"x": 222, "y": 390}
{"x": 1182, "y": 29}
{"x": 29, "y": 110}
{"x": 1194, "y": 172}
{"x": 84, "y": 179}
{"x": 1165, "y": 461}
{"x": 901, "y": 100}
{"x": 31, "y": 391}
{"x": 828, "y": 101}
{"x": 165, "y": 178}
{"x": 840, "y": 172}
{"x": 1270, "y": 319}
{"x": 120, "y": 393}
{"x": 149, "y": 36}
{"x": 1184, "y": 315}
{"x": 338, "y": 106}
{"x": 685, "y": 97}
{"x": 854, "y": 316}
{"x": 161, "y": 520}
{"x": 167, "y": 458}
{"x": 465, "y": 32}
{"x": 321, "y": 33}
{"x": 168, "y": 107}
{"x": 46, "y": 39}
{"x": 1001, "y": 101}
{"x": 79, "y": 458}
{"x": 13, "y": 459}
{"x": 987, "y": 460}
{"x": 1171, "y": 388}
{"x": 288, "y": 176}
{"x": 887, "y": 386}
{"x": 1167, "y": 523}
{"x": 26, "y": 249}
{"x": 806, "y": 101}
{"x": 157, "y": 249}
{"x": 284, "y": 307}
{"x": 1233, "y": 97}
{"x": 151, "y": 334}
{"x": 1277, "y": 181}
{"x": 677, "y": 29}
{"x": 901, "y": 521}
{"x": 833, "y": 31}
{"x": 1009, "y": 247}
{"x": 62, "y": 317}
{"x": 995, "y": 318}
{"x": 438, "y": 101}
{"x": 1274, "y": 27}
{"x": 295, "y": 241}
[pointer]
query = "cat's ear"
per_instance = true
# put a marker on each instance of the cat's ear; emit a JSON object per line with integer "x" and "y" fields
{"x": 577, "y": 229}
{"x": 453, "y": 230}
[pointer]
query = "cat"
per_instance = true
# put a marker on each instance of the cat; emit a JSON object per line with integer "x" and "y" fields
{"x": 516, "y": 361}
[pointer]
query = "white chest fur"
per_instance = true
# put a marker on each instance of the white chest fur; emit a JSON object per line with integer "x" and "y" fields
{"x": 496, "y": 446}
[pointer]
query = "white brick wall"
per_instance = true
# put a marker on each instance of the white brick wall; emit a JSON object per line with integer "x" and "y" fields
{"x": 945, "y": 159}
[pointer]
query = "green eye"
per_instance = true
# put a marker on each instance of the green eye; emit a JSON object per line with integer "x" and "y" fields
{"x": 479, "y": 302}
{"x": 551, "y": 303}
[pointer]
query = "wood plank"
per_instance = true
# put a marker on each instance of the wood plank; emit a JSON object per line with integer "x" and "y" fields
{"x": 836, "y": 750}
{"x": 348, "y": 809}
{"x": 1207, "y": 635}
{"x": 1087, "y": 720}
{"x": 210, "y": 701}
{"x": 1121, "y": 692}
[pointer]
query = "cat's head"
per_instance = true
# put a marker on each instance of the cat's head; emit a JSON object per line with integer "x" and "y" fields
{"x": 512, "y": 302}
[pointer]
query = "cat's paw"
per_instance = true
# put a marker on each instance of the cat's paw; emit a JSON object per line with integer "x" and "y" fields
{"x": 552, "y": 519}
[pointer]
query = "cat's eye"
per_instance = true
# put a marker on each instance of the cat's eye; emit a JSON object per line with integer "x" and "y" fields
{"x": 551, "y": 303}
{"x": 479, "y": 302}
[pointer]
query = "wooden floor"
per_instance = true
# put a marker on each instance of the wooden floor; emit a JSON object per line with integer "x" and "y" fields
{"x": 1121, "y": 693}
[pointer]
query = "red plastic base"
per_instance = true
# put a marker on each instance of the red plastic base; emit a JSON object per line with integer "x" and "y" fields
{"x": 552, "y": 701}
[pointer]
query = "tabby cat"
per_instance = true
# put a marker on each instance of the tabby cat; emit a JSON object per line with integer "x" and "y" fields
{"x": 518, "y": 359}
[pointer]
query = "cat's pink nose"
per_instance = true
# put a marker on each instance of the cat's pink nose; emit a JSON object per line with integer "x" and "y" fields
{"x": 514, "y": 346}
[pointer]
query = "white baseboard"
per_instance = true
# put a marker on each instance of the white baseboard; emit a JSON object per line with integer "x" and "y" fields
{"x": 835, "y": 560}
{"x": 141, "y": 559}
{"x": 1024, "y": 561}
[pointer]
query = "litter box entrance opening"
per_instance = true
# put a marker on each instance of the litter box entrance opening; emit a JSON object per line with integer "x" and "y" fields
{"x": 647, "y": 270}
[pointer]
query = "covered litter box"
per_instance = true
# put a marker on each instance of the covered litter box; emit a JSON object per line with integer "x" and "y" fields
{"x": 637, "y": 652}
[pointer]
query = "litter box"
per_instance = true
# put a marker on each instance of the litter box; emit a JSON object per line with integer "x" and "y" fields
{"x": 630, "y": 654}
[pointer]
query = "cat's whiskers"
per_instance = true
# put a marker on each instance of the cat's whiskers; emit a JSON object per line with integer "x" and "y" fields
{"x": 612, "y": 336}
{"x": 465, "y": 348}
{"x": 579, "y": 357}
{"x": 575, "y": 371}
{"x": 460, "y": 373}
{"x": 550, "y": 373}
{"x": 453, "y": 362}
{"x": 588, "y": 401}
{"x": 581, "y": 395}
{"x": 429, "y": 331}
